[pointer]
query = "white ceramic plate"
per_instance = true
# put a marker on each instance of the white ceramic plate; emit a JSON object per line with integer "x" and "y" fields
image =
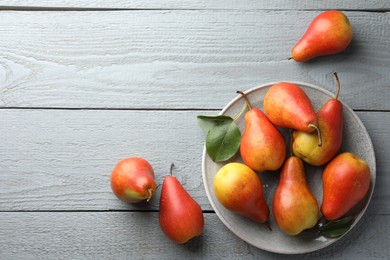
{"x": 356, "y": 140}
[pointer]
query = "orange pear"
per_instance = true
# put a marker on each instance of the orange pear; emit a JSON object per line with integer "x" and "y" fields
{"x": 287, "y": 105}
{"x": 294, "y": 206}
{"x": 262, "y": 145}
{"x": 329, "y": 33}
{"x": 132, "y": 180}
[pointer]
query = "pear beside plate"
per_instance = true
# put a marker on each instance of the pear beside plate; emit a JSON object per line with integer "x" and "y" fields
{"x": 356, "y": 140}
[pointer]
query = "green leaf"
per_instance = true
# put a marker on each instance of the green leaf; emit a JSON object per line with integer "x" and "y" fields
{"x": 223, "y": 141}
{"x": 223, "y": 136}
{"x": 208, "y": 122}
{"x": 336, "y": 228}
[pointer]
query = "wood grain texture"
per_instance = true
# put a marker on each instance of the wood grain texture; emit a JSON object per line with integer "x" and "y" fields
{"x": 178, "y": 59}
{"x": 201, "y": 4}
{"x": 62, "y": 159}
{"x": 126, "y": 235}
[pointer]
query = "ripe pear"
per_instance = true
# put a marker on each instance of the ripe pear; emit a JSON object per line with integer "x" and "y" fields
{"x": 239, "y": 189}
{"x": 346, "y": 181}
{"x": 181, "y": 217}
{"x": 287, "y": 105}
{"x": 132, "y": 180}
{"x": 262, "y": 146}
{"x": 330, "y": 121}
{"x": 294, "y": 206}
{"x": 329, "y": 33}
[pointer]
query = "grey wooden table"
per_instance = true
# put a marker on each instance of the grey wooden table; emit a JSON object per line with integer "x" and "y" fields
{"x": 86, "y": 83}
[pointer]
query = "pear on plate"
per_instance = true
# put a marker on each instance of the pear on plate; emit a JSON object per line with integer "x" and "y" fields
{"x": 262, "y": 146}
{"x": 346, "y": 180}
{"x": 330, "y": 122}
{"x": 294, "y": 206}
{"x": 288, "y": 106}
{"x": 239, "y": 189}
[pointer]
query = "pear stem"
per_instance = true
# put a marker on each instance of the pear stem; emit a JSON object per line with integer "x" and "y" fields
{"x": 239, "y": 114}
{"x": 290, "y": 58}
{"x": 150, "y": 194}
{"x": 170, "y": 171}
{"x": 338, "y": 85}
{"x": 318, "y": 132}
{"x": 246, "y": 99}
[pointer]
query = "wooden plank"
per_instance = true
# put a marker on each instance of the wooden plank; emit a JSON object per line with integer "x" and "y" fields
{"x": 62, "y": 159}
{"x": 126, "y": 235}
{"x": 59, "y": 160}
{"x": 146, "y": 59}
{"x": 201, "y": 4}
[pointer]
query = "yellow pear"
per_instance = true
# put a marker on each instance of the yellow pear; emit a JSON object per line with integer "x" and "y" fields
{"x": 239, "y": 189}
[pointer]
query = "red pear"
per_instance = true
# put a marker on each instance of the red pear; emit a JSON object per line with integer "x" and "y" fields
{"x": 132, "y": 180}
{"x": 346, "y": 180}
{"x": 181, "y": 217}
{"x": 330, "y": 121}
{"x": 287, "y": 105}
{"x": 329, "y": 33}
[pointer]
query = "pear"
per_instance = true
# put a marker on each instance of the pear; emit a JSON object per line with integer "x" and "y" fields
{"x": 294, "y": 206}
{"x": 132, "y": 180}
{"x": 329, "y": 33}
{"x": 330, "y": 121}
{"x": 346, "y": 180}
{"x": 181, "y": 217}
{"x": 287, "y": 105}
{"x": 239, "y": 189}
{"x": 262, "y": 146}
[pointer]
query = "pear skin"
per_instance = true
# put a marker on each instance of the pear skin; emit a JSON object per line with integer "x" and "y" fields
{"x": 294, "y": 206}
{"x": 330, "y": 122}
{"x": 346, "y": 180}
{"x": 239, "y": 189}
{"x": 262, "y": 146}
{"x": 328, "y": 33}
{"x": 287, "y": 105}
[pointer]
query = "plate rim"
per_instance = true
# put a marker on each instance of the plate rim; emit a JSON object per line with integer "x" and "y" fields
{"x": 373, "y": 180}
